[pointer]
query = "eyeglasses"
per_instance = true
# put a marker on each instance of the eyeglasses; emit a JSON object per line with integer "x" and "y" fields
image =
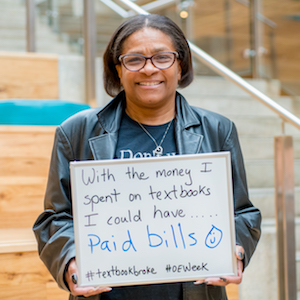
{"x": 136, "y": 62}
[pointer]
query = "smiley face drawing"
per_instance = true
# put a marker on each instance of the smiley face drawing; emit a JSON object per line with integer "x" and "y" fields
{"x": 214, "y": 237}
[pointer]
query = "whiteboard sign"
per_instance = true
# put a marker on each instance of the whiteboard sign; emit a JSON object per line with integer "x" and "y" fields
{"x": 153, "y": 220}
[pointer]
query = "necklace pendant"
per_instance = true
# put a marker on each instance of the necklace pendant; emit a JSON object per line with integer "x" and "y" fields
{"x": 158, "y": 151}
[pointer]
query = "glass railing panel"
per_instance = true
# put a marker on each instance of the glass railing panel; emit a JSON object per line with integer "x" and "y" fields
{"x": 220, "y": 28}
{"x": 12, "y": 26}
{"x": 107, "y": 22}
{"x": 65, "y": 18}
{"x": 282, "y": 58}
{"x": 59, "y": 26}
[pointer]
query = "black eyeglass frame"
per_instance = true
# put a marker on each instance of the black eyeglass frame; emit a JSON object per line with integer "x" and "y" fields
{"x": 148, "y": 57}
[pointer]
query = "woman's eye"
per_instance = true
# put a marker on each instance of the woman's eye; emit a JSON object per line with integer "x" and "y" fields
{"x": 163, "y": 57}
{"x": 134, "y": 60}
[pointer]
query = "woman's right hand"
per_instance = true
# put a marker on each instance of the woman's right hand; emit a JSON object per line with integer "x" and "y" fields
{"x": 81, "y": 291}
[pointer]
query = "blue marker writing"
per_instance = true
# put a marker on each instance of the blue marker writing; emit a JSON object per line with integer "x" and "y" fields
{"x": 214, "y": 237}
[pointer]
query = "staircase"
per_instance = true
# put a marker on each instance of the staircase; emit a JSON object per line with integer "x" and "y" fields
{"x": 69, "y": 25}
{"x": 257, "y": 126}
{"x": 13, "y": 31}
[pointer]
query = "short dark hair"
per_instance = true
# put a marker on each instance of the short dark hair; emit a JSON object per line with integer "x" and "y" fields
{"x": 114, "y": 49}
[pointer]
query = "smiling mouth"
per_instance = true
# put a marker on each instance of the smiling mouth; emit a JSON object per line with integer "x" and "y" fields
{"x": 150, "y": 83}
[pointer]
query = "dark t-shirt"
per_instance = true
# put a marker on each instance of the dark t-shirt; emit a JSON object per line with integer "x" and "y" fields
{"x": 134, "y": 142}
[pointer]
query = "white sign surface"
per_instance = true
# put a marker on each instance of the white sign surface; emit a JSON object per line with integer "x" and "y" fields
{"x": 153, "y": 220}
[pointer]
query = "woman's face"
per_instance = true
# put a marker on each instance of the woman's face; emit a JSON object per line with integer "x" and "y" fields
{"x": 149, "y": 87}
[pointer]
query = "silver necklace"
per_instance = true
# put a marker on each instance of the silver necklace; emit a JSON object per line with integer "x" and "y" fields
{"x": 159, "y": 149}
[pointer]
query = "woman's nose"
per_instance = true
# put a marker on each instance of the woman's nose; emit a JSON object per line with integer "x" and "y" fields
{"x": 149, "y": 67}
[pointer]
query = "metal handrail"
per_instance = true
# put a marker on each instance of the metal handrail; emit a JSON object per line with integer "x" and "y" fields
{"x": 223, "y": 71}
{"x": 30, "y": 26}
{"x": 116, "y": 8}
{"x": 147, "y": 7}
{"x": 284, "y": 114}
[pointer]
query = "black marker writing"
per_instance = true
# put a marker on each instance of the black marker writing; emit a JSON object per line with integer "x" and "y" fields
{"x": 94, "y": 177}
{"x": 115, "y": 271}
{"x": 186, "y": 268}
{"x": 133, "y": 174}
{"x": 168, "y": 213}
{"x": 128, "y": 218}
{"x": 175, "y": 193}
{"x": 206, "y": 170}
{"x": 89, "y": 220}
{"x": 95, "y": 199}
{"x": 175, "y": 172}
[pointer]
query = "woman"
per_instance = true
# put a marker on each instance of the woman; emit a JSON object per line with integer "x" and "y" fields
{"x": 146, "y": 60}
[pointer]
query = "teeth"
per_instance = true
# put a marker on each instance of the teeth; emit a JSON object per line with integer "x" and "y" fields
{"x": 149, "y": 83}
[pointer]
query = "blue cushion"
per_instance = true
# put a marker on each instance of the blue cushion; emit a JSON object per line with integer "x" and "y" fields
{"x": 37, "y": 112}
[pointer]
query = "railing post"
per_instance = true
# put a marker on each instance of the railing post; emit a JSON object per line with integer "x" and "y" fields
{"x": 30, "y": 26}
{"x": 89, "y": 33}
{"x": 254, "y": 38}
{"x": 54, "y": 8}
{"x": 228, "y": 32}
{"x": 285, "y": 217}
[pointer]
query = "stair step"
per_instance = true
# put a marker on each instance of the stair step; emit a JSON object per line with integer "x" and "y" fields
{"x": 264, "y": 199}
{"x": 11, "y": 34}
{"x": 217, "y": 86}
{"x": 268, "y": 223}
{"x": 260, "y": 173}
{"x": 266, "y": 126}
{"x": 13, "y": 19}
{"x": 238, "y": 105}
{"x": 13, "y": 31}
{"x": 42, "y": 33}
{"x": 263, "y": 147}
{"x": 262, "y": 271}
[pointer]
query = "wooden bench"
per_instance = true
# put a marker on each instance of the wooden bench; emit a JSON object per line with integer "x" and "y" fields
{"x": 24, "y": 162}
{"x": 29, "y": 75}
{"x": 22, "y": 273}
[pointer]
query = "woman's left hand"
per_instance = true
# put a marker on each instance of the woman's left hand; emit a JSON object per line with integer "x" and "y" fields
{"x": 223, "y": 281}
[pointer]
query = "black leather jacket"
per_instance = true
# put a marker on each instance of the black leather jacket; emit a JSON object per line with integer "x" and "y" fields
{"x": 93, "y": 134}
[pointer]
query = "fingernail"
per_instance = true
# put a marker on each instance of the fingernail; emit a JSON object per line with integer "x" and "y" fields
{"x": 108, "y": 289}
{"x": 74, "y": 278}
{"x": 241, "y": 255}
{"x": 199, "y": 282}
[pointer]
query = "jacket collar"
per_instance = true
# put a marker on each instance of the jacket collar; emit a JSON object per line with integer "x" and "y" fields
{"x": 185, "y": 114}
{"x": 188, "y": 141}
{"x": 111, "y": 115}
{"x": 104, "y": 145}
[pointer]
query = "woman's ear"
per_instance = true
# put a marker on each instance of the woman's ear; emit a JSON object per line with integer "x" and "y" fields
{"x": 119, "y": 70}
{"x": 179, "y": 70}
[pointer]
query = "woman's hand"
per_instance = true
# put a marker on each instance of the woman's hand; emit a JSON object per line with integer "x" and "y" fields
{"x": 223, "y": 281}
{"x": 81, "y": 291}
